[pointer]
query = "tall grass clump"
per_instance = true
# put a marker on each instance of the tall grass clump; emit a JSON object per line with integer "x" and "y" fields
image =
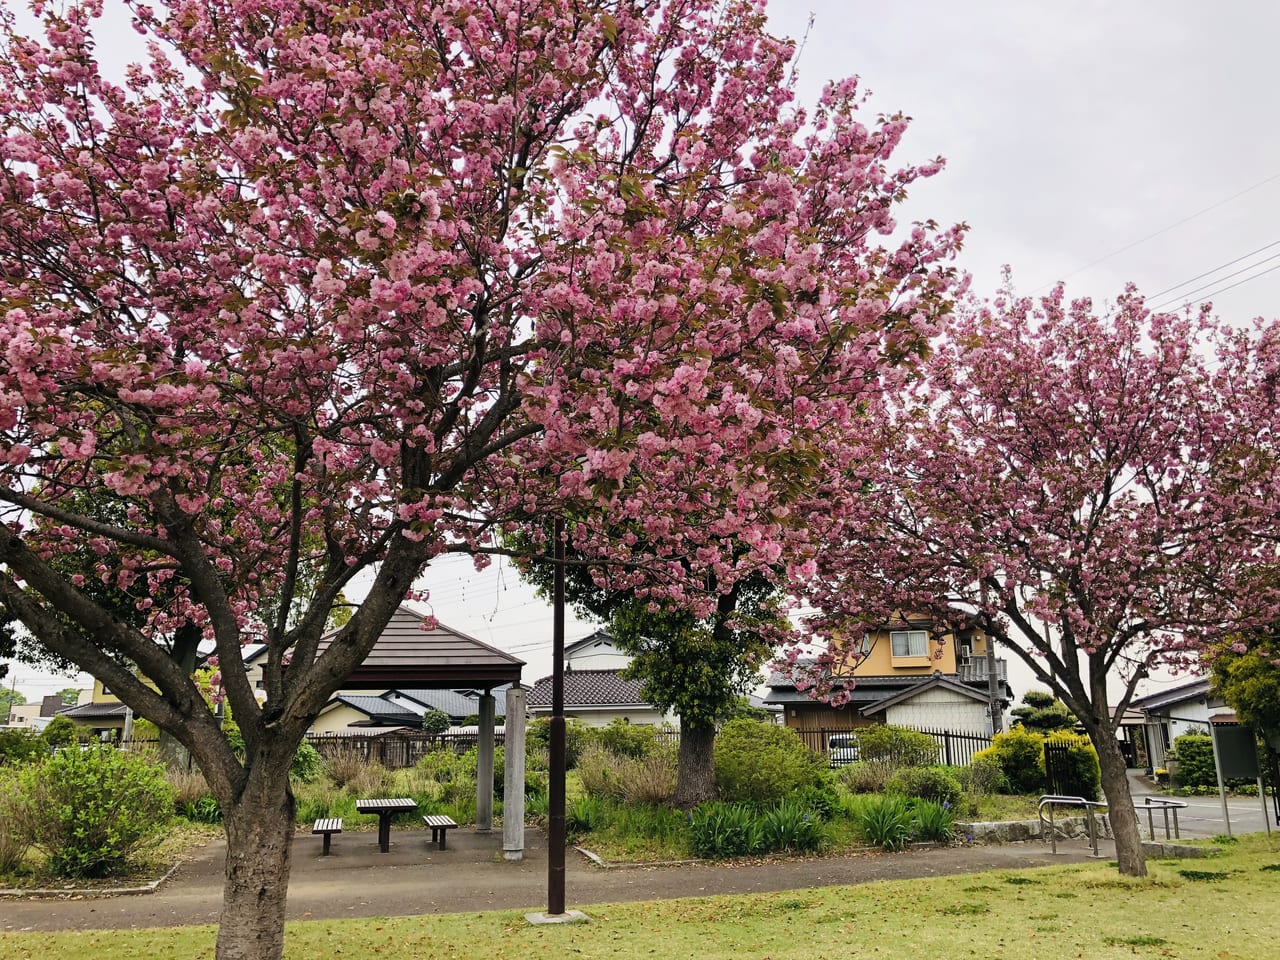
{"x": 722, "y": 830}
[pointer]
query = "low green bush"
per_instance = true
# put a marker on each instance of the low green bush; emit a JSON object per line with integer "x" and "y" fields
{"x": 576, "y": 736}
{"x": 720, "y": 830}
{"x": 897, "y": 746}
{"x": 982, "y": 777}
{"x": 937, "y": 784}
{"x": 61, "y": 732}
{"x": 626, "y": 739}
{"x": 1193, "y": 753}
{"x": 763, "y": 763}
{"x": 307, "y": 763}
{"x": 650, "y": 779}
{"x": 19, "y": 747}
{"x": 91, "y": 810}
{"x": 821, "y": 798}
{"x": 1019, "y": 754}
{"x": 867, "y": 776}
{"x": 600, "y": 771}
{"x": 14, "y": 830}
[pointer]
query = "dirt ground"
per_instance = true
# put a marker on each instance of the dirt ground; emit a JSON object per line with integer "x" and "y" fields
{"x": 415, "y": 878}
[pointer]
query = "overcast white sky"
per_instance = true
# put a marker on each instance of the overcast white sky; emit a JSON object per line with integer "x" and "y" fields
{"x": 1094, "y": 142}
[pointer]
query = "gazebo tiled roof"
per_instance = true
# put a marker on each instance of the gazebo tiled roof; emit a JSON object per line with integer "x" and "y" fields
{"x": 408, "y": 656}
{"x": 591, "y": 688}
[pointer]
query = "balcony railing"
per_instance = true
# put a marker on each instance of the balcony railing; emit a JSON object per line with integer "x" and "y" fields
{"x": 975, "y": 668}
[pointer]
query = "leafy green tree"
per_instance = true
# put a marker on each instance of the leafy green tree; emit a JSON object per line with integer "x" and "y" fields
{"x": 10, "y": 698}
{"x": 435, "y": 721}
{"x": 1043, "y": 713}
{"x": 69, "y": 696}
{"x": 1248, "y": 679}
{"x": 695, "y": 667}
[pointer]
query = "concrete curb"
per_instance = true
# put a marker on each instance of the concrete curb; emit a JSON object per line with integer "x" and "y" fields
{"x": 64, "y": 893}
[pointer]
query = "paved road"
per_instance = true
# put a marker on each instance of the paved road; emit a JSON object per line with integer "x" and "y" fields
{"x": 1203, "y": 817}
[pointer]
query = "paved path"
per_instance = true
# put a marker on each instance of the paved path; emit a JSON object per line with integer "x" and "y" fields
{"x": 416, "y": 878}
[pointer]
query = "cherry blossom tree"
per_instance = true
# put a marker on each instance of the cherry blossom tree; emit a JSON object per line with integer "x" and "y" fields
{"x": 1083, "y": 486}
{"x": 321, "y": 291}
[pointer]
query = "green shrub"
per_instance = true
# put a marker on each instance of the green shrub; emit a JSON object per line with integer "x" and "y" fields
{"x": 933, "y": 822}
{"x": 626, "y": 739}
{"x": 600, "y": 771}
{"x": 720, "y": 830}
{"x": 867, "y": 776}
{"x": 650, "y": 779}
{"x": 576, "y": 736}
{"x": 61, "y": 732}
{"x": 307, "y": 763}
{"x": 884, "y": 822}
{"x": 435, "y": 721}
{"x": 936, "y": 784}
{"x": 90, "y": 810}
{"x": 1019, "y": 754}
{"x": 983, "y": 776}
{"x": 762, "y": 763}
{"x": 791, "y": 828}
{"x": 821, "y": 798}
{"x": 897, "y": 746}
{"x": 14, "y": 829}
{"x": 1193, "y": 753}
{"x": 20, "y": 746}
{"x": 1080, "y": 776}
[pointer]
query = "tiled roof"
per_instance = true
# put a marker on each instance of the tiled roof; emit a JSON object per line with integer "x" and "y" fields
{"x": 452, "y": 702}
{"x": 590, "y": 688}
{"x": 1174, "y": 695}
{"x": 94, "y": 711}
{"x": 382, "y": 710}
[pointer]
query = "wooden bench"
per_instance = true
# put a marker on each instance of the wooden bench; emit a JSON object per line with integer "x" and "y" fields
{"x": 440, "y": 826}
{"x": 328, "y": 826}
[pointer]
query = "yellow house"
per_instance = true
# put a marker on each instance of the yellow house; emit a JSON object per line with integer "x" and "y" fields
{"x": 104, "y": 714}
{"x": 904, "y": 673}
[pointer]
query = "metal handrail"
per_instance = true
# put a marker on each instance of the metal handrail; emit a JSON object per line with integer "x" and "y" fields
{"x": 1051, "y": 800}
{"x": 1164, "y": 805}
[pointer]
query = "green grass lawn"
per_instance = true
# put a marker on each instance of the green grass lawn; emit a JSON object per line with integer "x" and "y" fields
{"x": 1215, "y": 909}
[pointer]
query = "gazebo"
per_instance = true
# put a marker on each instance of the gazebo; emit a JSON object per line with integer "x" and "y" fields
{"x": 407, "y": 654}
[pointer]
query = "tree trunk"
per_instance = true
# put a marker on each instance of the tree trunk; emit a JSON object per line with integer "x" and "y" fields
{"x": 259, "y": 827}
{"x": 696, "y": 773}
{"x": 1131, "y": 860}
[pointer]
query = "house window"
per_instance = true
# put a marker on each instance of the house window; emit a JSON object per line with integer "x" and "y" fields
{"x": 909, "y": 643}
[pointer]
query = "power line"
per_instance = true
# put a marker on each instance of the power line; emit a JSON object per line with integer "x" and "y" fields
{"x": 1183, "y": 298}
{"x": 1221, "y": 266}
{"x": 1238, "y": 283}
{"x": 1162, "y": 230}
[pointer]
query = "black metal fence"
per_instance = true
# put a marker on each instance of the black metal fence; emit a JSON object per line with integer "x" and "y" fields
{"x": 954, "y": 748}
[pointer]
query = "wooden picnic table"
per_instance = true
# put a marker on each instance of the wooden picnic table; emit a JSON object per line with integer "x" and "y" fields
{"x": 385, "y": 808}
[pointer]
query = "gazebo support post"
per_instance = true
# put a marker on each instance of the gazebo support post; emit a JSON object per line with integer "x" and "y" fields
{"x": 484, "y": 766}
{"x": 513, "y": 777}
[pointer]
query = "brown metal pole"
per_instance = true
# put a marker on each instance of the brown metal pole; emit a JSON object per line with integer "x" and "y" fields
{"x": 555, "y": 828}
